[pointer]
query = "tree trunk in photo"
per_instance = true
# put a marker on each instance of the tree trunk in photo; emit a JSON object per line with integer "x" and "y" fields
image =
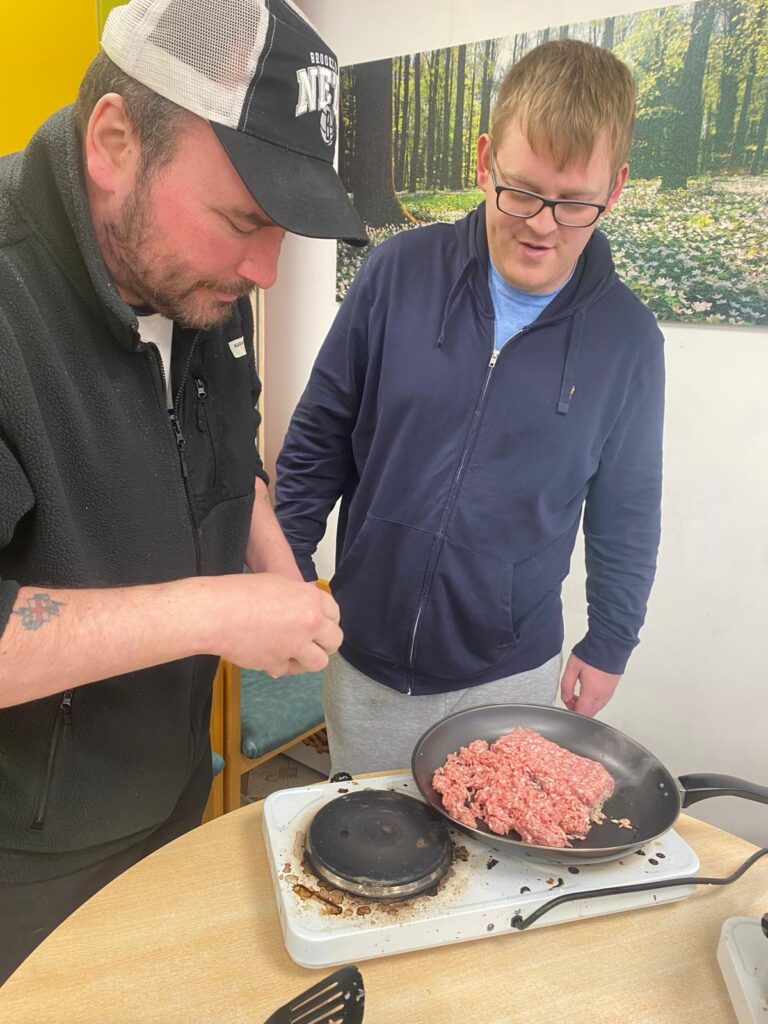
{"x": 347, "y": 165}
{"x": 729, "y": 80}
{"x": 445, "y": 162}
{"x": 431, "y": 149}
{"x": 682, "y": 144}
{"x": 469, "y": 175}
{"x": 397, "y": 96}
{"x": 402, "y": 142}
{"x": 416, "y": 146}
{"x": 374, "y": 195}
{"x": 608, "y": 29}
{"x": 737, "y": 155}
{"x": 520, "y": 46}
{"x": 758, "y": 159}
{"x": 706, "y": 138}
{"x": 489, "y": 73}
{"x": 457, "y": 169}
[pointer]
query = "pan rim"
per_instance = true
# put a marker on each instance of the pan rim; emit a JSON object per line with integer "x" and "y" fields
{"x": 581, "y": 852}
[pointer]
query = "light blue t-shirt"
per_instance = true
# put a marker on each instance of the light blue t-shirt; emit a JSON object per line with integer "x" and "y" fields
{"x": 514, "y": 308}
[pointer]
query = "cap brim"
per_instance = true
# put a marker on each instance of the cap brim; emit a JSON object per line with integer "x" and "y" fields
{"x": 302, "y": 194}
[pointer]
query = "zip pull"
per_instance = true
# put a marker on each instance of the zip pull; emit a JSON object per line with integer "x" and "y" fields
{"x": 494, "y": 357}
{"x": 66, "y": 707}
{"x": 202, "y": 394}
{"x": 181, "y": 444}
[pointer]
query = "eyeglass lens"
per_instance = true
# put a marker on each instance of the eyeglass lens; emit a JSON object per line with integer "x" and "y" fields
{"x": 569, "y": 214}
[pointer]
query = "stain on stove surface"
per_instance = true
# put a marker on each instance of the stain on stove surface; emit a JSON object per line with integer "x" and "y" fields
{"x": 314, "y": 895}
{"x": 330, "y": 899}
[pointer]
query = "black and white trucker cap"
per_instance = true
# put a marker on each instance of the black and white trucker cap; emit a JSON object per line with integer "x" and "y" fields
{"x": 261, "y": 75}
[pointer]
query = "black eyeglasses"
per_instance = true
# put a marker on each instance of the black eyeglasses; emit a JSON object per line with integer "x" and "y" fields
{"x": 569, "y": 213}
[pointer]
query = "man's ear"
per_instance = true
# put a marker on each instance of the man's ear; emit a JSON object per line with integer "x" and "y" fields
{"x": 619, "y": 183}
{"x": 484, "y": 145}
{"x": 112, "y": 148}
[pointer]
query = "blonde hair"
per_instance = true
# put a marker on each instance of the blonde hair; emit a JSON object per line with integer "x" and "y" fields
{"x": 567, "y": 95}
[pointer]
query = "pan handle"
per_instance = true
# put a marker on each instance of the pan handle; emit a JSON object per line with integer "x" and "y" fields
{"x": 701, "y": 787}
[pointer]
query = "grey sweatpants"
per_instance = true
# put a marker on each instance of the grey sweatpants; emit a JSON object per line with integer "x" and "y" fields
{"x": 372, "y": 728}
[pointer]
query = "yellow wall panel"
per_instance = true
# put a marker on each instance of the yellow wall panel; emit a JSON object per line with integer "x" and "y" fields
{"x": 45, "y": 46}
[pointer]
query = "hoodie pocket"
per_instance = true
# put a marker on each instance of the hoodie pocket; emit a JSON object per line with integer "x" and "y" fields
{"x": 377, "y": 585}
{"x": 467, "y": 621}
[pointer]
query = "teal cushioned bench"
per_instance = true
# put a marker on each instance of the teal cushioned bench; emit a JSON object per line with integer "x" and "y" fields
{"x": 274, "y": 711}
{"x": 218, "y": 762}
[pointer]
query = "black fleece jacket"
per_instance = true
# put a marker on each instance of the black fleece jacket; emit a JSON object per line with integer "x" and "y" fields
{"x": 96, "y": 492}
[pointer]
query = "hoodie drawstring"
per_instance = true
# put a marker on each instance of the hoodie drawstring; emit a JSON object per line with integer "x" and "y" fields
{"x": 568, "y": 387}
{"x": 453, "y": 295}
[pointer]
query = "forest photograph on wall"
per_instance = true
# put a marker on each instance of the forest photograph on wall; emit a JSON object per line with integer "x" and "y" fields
{"x": 690, "y": 231}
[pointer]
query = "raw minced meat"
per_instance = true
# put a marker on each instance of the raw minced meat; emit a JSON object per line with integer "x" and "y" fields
{"x": 527, "y": 784}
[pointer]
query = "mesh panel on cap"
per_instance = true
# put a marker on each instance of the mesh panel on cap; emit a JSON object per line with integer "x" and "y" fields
{"x": 201, "y": 54}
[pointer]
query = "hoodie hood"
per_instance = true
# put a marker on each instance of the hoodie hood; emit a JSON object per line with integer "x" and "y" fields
{"x": 593, "y": 276}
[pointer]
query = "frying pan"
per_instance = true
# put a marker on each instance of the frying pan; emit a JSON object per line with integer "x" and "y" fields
{"x": 646, "y": 793}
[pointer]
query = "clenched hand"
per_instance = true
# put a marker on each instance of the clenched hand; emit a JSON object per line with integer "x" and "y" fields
{"x": 268, "y": 622}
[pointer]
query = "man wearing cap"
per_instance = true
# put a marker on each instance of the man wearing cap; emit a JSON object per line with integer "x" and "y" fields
{"x": 132, "y": 230}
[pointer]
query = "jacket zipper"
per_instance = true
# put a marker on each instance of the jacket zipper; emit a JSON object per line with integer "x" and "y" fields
{"x": 202, "y": 419}
{"x": 63, "y": 719}
{"x": 181, "y": 445}
{"x": 178, "y": 436}
{"x": 202, "y": 395}
{"x": 449, "y": 506}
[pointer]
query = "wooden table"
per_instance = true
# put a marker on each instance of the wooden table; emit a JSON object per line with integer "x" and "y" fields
{"x": 191, "y": 935}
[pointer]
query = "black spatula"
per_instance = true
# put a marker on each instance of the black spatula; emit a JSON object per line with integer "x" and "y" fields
{"x": 337, "y": 999}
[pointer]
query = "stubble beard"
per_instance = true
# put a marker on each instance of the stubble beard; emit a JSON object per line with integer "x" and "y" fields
{"x": 162, "y": 281}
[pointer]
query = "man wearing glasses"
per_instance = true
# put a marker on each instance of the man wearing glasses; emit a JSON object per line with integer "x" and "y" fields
{"x": 484, "y": 384}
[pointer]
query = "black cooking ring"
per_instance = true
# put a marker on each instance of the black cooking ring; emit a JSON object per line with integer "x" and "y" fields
{"x": 379, "y": 843}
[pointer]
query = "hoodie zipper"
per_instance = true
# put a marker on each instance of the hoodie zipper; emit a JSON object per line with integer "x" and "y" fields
{"x": 63, "y": 720}
{"x": 453, "y": 494}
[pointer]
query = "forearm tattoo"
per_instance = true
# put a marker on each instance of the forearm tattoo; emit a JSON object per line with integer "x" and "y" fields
{"x": 37, "y": 610}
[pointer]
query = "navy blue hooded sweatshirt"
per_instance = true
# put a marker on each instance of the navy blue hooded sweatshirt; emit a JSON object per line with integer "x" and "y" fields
{"x": 463, "y": 472}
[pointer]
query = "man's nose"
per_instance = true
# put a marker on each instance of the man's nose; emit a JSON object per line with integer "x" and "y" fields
{"x": 543, "y": 223}
{"x": 259, "y": 263}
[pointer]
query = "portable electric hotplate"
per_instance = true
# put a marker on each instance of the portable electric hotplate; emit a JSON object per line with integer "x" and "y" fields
{"x": 364, "y": 869}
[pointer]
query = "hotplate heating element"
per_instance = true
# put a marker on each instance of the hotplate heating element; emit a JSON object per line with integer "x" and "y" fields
{"x": 379, "y": 844}
{"x": 481, "y": 892}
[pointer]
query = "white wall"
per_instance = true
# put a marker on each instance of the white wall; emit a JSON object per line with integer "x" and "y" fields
{"x": 695, "y": 689}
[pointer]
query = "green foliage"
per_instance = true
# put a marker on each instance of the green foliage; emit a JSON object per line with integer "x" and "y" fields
{"x": 702, "y": 256}
{"x": 431, "y": 206}
{"x": 697, "y": 255}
